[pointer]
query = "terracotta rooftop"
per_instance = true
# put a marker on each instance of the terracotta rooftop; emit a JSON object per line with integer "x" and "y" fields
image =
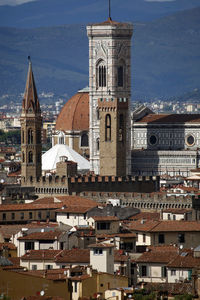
{"x": 176, "y": 226}
{"x": 109, "y": 21}
{"x": 41, "y": 254}
{"x": 75, "y": 113}
{"x": 159, "y": 255}
{"x": 29, "y": 206}
{"x": 7, "y": 231}
{"x": 142, "y": 225}
{"x": 185, "y": 260}
{"x": 121, "y": 235}
{"x": 105, "y": 218}
{"x": 75, "y": 209}
{"x": 74, "y": 256}
{"x": 170, "y": 118}
{"x": 146, "y": 215}
{"x": 9, "y": 246}
{"x": 48, "y": 235}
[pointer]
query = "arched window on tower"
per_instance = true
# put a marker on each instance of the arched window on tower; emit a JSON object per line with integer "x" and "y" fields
{"x": 121, "y": 127}
{"x": 97, "y": 113}
{"x": 22, "y": 136}
{"x": 120, "y": 76}
{"x": 97, "y": 144}
{"x": 108, "y": 128}
{"x": 84, "y": 140}
{"x": 30, "y": 157}
{"x": 38, "y": 137}
{"x": 30, "y": 136}
{"x": 101, "y": 74}
{"x": 23, "y": 157}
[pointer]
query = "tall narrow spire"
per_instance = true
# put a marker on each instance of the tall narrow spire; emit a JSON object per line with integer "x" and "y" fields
{"x": 30, "y": 102}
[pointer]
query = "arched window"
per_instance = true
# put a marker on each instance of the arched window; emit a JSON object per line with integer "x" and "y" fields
{"x": 22, "y": 136}
{"x": 39, "y": 158}
{"x": 97, "y": 144}
{"x": 108, "y": 128}
{"x": 101, "y": 74}
{"x": 30, "y": 136}
{"x": 120, "y": 76}
{"x": 38, "y": 136}
{"x": 30, "y": 157}
{"x": 23, "y": 157}
{"x": 97, "y": 113}
{"x": 84, "y": 140}
{"x": 121, "y": 127}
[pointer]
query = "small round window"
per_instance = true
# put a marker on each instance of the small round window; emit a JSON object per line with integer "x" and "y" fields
{"x": 153, "y": 139}
{"x": 190, "y": 140}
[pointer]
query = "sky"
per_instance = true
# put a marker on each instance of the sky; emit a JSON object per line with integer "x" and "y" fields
{"x": 18, "y": 2}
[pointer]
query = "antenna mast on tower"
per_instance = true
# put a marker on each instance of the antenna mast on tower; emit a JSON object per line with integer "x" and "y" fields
{"x": 109, "y": 10}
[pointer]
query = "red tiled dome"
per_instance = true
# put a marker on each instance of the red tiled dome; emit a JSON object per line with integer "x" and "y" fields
{"x": 75, "y": 113}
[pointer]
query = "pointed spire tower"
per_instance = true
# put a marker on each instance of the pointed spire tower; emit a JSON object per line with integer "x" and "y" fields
{"x": 31, "y": 126}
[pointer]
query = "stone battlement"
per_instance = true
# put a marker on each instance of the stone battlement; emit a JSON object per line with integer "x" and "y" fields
{"x": 74, "y": 185}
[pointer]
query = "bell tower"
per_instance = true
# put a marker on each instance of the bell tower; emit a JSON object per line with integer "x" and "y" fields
{"x": 31, "y": 125}
{"x": 109, "y": 80}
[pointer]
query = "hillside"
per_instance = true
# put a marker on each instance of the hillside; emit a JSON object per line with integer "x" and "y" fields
{"x": 165, "y": 57}
{"x": 57, "y": 12}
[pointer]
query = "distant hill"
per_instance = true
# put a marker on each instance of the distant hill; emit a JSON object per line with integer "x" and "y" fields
{"x": 165, "y": 57}
{"x": 190, "y": 97}
{"x": 57, "y": 12}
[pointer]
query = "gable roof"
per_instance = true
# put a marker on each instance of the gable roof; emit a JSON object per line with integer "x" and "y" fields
{"x": 41, "y": 254}
{"x": 47, "y": 235}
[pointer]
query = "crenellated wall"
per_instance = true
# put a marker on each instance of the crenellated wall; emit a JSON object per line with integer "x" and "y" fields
{"x": 54, "y": 185}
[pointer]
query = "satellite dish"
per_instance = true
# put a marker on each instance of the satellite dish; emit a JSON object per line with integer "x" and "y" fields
{"x": 2, "y": 180}
{"x": 181, "y": 247}
{"x": 42, "y": 293}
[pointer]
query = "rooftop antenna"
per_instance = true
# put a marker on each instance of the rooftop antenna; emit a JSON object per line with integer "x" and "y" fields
{"x": 109, "y": 11}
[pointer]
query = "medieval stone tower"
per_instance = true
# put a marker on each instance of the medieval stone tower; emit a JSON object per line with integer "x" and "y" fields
{"x": 110, "y": 96}
{"x": 31, "y": 124}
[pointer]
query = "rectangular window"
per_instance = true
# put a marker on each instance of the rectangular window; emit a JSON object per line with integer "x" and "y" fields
{"x": 98, "y": 251}
{"x": 67, "y": 215}
{"x": 161, "y": 238}
{"x": 169, "y": 217}
{"x": 144, "y": 238}
{"x": 29, "y": 245}
{"x": 181, "y": 238}
{"x": 75, "y": 286}
{"x": 30, "y": 215}
{"x": 173, "y": 272}
{"x": 143, "y": 271}
{"x": 103, "y": 226}
{"x": 22, "y": 215}
{"x": 4, "y": 216}
{"x": 164, "y": 272}
{"x": 39, "y": 215}
{"x": 13, "y": 216}
{"x": 49, "y": 267}
{"x": 34, "y": 267}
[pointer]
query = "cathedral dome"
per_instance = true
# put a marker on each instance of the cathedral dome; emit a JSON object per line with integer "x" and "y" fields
{"x": 75, "y": 113}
